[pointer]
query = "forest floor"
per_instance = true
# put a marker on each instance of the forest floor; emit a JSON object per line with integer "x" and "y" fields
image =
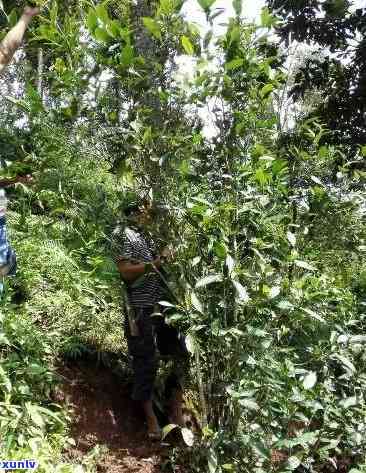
{"x": 103, "y": 414}
{"x": 105, "y": 417}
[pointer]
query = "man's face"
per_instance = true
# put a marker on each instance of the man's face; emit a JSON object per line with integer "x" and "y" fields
{"x": 144, "y": 216}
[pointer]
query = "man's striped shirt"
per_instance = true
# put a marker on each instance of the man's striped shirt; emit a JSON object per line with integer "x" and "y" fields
{"x": 130, "y": 244}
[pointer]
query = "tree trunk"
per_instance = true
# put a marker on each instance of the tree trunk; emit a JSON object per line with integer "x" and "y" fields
{"x": 40, "y": 73}
{"x": 147, "y": 48}
{"x": 148, "y": 97}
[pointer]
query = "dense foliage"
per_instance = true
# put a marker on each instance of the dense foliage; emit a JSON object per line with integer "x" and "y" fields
{"x": 269, "y": 229}
{"x": 337, "y": 66}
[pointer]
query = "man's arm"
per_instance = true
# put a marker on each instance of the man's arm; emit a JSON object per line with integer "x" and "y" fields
{"x": 131, "y": 271}
{"x": 14, "y": 38}
{"x": 18, "y": 179}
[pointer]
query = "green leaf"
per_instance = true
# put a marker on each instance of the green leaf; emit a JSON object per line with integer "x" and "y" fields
{"x": 196, "y": 260}
{"x": 234, "y": 36}
{"x": 279, "y": 166}
{"x": 316, "y": 180}
{"x": 102, "y": 13}
{"x": 314, "y": 315}
{"x": 172, "y": 318}
{"x": 309, "y": 438}
{"x": 262, "y": 177}
{"x": 304, "y": 265}
{"x": 266, "y": 90}
{"x": 152, "y": 26}
{"x": 267, "y": 19}
{"x": 291, "y": 238}
{"x": 166, "y": 304}
{"x": 34, "y": 445}
{"x": 248, "y": 403}
{"x": 187, "y": 45}
{"x": 206, "y": 4}
{"x": 207, "y": 39}
{"x": 13, "y": 18}
{"x": 238, "y": 6}
{"x": 113, "y": 29}
{"x": 188, "y": 436}
{"x": 234, "y": 64}
{"x": 167, "y": 7}
{"x": 293, "y": 463}
{"x": 196, "y": 303}
{"x": 240, "y": 127}
{"x": 285, "y": 305}
{"x": 101, "y": 35}
{"x": 4, "y": 340}
{"x": 230, "y": 263}
{"x": 212, "y": 461}
{"x": 219, "y": 11}
{"x": 190, "y": 344}
{"x": 208, "y": 280}
{"x": 92, "y": 21}
{"x": 54, "y": 14}
{"x": 34, "y": 415}
{"x": 169, "y": 428}
{"x": 5, "y": 381}
{"x": 345, "y": 362}
{"x": 202, "y": 201}
{"x": 310, "y": 380}
{"x": 323, "y": 152}
{"x": 193, "y": 30}
{"x": 349, "y": 402}
{"x": 357, "y": 339}
{"x": 242, "y": 292}
{"x": 274, "y": 292}
{"x": 363, "y": 151}
{"x": 127, "y": 55}
{"x": 258, "y": 150}
{"x": 261, "y": 450}
{"x": 50, "y": 414}
{"x": 220, "y": 249}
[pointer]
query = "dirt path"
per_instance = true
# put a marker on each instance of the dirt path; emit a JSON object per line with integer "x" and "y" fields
{"x": 104, "y": 414}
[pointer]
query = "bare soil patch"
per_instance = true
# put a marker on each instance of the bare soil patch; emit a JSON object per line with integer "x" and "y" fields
{"x": 104, "y": 414}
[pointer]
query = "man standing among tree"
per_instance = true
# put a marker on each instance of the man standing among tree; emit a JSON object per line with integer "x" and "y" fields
{"x": 141, "y": 269}
{"x": 8, "y": 47}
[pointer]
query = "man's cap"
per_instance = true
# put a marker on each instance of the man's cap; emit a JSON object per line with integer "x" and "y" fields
{"x": 133, "y": 203}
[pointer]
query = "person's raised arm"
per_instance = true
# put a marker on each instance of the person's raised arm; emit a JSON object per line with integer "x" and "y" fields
{"x": 14, "y": 38}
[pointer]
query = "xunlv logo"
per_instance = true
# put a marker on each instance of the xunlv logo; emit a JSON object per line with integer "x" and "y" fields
{"x": 18, "y": 465}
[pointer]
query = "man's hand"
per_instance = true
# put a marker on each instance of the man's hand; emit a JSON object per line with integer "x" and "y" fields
{"x": 30, "y": 12}
{"x": 25, "y": 179}
{"x": 168, "y": 254}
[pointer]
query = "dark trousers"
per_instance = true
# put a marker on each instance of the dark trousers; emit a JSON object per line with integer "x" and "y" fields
{"x": 155, "y": 338}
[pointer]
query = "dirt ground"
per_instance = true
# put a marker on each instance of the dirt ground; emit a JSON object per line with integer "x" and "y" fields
{"x": 104, "y": 414}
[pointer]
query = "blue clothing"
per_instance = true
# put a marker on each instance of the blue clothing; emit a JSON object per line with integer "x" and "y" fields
{"x": 8, "y": 259}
